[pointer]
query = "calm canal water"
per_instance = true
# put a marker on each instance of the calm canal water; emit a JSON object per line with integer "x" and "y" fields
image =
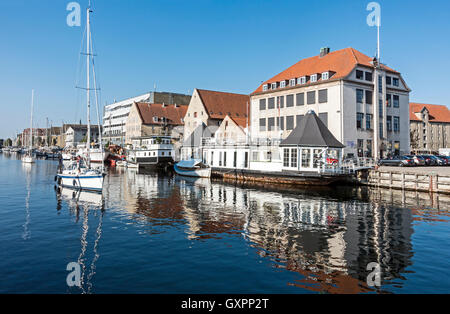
{"x": 166, "y": 234}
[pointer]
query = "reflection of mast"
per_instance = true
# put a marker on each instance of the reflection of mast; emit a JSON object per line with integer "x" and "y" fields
{"x": 26, "y": 232}
{"x": 84, "y": 244}
{"x": 96, "y": 254}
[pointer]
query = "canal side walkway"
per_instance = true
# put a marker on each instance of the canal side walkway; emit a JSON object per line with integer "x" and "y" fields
{"x": 422, "y": 179}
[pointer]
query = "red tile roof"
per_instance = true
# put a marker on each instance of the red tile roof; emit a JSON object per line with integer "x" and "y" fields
{"x": 242, "y": 122}
{"x": 437, "y": 113}
{"x": 341, "y": 62}
{"x": 220, "y": 104}
{"x": 173, "y": 114}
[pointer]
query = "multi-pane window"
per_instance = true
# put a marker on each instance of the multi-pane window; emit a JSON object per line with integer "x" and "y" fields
{"x": 369, "y": 76}
{"x": 369, "y": 97}
{"x": 271, "y": 103}
{"x": 280, "y": 102}
{"x": 389, "y": 123}
{"x": 280, "y": 123}
{"x": 380, "y": 83}
{"x": 369, "y": 148}
{"x": 290, "y": 101}
{"x": 359, "y": 74}
{"x": 273, "y": 85}
{"x": 262, "y": 104}
{"x": 286, "y": 157}
{"x": 323, "y": 96}
{"x": 380, "y": 108}
{"x": 301, "y": 80}
{"x": 313, "y": 78}
{"x": 369, "y": 121}
{"x": 306, "y": 157}
{"x": 265, "y": 87}
{"x": 262, "y": 124}
{"x": 270, "y": 124}
{"x": 359, "y": 96}
{"x": 380, "y": 128}
{"x": 396, "y": 124}
{"x": 395, "y": 81}
{"x": 293, "y": 157}
{"x": 300, "y": 99}
{"x": 396, "y": 101}
{"x": 292, "y": 82}
{"x": 388, "y": 100}
{"x": 283, "y": 84}
{"x": 289, "y": 122}
{"x": 325, "y": 76}
{"x": 311, "y": 98}
{"x": 388, "y": 80}
{"x": 359, "y": 120}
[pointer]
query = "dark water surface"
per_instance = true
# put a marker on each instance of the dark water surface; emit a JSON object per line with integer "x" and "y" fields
{"x": 166, "y": 234}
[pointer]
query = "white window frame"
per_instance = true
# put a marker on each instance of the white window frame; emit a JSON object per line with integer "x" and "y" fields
{"x": 283, "y": 84}
{"x": 301, "y": 80}
{"x": 273, "y": 85}
{"x": 292, "y": 82}
{"x": 313, "y": 78}
{"x": 265, "y": 87}
{"x": 325, "y": 76}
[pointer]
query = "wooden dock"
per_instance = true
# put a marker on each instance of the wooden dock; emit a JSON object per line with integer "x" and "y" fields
{"x": 421, "y": 179}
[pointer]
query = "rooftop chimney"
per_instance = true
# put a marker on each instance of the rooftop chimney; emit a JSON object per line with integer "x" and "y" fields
{"x": 324, "y": 51}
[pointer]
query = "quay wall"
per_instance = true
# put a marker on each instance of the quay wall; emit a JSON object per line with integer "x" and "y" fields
{"x": 406, "y": 179}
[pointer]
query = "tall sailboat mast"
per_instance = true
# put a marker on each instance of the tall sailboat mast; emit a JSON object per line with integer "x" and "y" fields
{"x": 88, "y": 32}
{"x": 31, "y": 120}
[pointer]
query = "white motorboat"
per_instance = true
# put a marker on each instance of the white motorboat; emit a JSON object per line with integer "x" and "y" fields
{"x": 28, "y": 158}
{"x": 122, "y": 163}
{"x": 79, "y": 174}
{"x": 193, "y": 168}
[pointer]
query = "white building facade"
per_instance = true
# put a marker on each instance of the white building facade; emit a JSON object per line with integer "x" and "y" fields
{"x": 363, "y": 104}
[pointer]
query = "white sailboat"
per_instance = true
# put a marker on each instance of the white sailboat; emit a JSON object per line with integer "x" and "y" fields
{"x": 28, "y": 157}
{"x": 79, "y": 174}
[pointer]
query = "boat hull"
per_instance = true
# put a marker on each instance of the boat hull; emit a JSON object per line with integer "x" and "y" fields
{"x": 81, "y": 182}
{"x": 28, "y": 160}
{"x": 198, "y": 173}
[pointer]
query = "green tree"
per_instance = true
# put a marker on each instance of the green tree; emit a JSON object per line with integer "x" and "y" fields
{"x": 8, "y": 142}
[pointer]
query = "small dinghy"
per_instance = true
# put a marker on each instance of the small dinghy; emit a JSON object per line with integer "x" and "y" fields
{"x": 193, "y": 168}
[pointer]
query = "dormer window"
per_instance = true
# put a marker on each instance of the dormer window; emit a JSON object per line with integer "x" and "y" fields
{"x": 395, "y": 81}
{"x": 155, "y": 119}
{"x": 314, "y": 78}
{"x": 282, "y": 84}
{"x": 273, "y": 85}
{"x": 325, "y": 76}
{"x": 292, "y": 82}
{"x": 265, "y": 87}
{"x": 301, "y": 80}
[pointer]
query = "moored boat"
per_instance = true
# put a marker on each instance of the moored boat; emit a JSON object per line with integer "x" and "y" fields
{"x": 193, "y": 168}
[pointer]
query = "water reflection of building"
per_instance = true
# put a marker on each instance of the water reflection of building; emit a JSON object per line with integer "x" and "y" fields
{"x": 328, "y": 241}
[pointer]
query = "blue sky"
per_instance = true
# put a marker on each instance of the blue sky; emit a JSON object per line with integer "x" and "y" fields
{"x": 179, "y": 45}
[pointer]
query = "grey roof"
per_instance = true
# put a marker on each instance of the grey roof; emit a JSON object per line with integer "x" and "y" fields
{"x": 311, "y": 132}
{"x": 194, "y": 139}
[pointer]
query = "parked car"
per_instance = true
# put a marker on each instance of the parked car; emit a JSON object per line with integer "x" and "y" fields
{"x": 418, "y": 160}
{"x": 447, "y": 158}
{"x": 400, "y": 161}
{"x": 429, "y": 160}
{"x": 442, "y": 160}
